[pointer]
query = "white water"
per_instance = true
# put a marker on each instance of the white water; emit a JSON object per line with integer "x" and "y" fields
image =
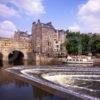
{"x": 60, "y": 81}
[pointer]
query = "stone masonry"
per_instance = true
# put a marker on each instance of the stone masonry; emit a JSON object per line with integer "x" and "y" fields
{"x": 45, "y": 41}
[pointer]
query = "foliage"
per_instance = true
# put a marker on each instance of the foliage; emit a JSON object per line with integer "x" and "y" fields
{"x": 96, "y": 44}
{"x": 77, "y": 43}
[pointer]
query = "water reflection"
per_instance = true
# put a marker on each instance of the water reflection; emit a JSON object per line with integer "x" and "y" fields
{"x": 15, "y": 89}
{"x": 1, "y": 60}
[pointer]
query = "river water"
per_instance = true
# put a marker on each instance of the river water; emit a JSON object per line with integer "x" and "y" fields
{"x": 16, "y": 89}
{"x": 80, "y": 80}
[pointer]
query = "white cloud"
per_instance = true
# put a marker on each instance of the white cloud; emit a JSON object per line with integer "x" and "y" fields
{"x": 7, "y": 11}
{"x": 74, "y": 28}
{"x": 89, "y": 16}
{"x": 7, "y": 28}
{"x": 29, "y": 7}
{"x": 91, "y": 7}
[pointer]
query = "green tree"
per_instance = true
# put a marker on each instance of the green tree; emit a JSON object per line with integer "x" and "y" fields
{"x": 86, "y": 43}
{"x": 96, "y": 44}
{"x": 72, "y": 43}
{"x": 77, "y": 43}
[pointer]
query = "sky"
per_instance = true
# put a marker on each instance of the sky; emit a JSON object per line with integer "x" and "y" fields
{"x": 75, "y": 15}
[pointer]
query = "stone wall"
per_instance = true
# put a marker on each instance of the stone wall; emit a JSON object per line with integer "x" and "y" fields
{"x": 45, "y": 60}
{"x": 8, "y": 45}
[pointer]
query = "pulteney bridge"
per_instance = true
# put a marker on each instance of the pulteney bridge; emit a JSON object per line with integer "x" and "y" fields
{"x": 14, "y": 51}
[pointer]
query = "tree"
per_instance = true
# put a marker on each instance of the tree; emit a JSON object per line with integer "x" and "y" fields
{"x": 72, "y": 43}
{"x": 86, "y": 44}
{"x": 77, "y": 43}
{"x": 96, "y": 44}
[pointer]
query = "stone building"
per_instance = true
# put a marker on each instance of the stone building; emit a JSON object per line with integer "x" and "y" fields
{"x": 22, "y": 36}
{"x": 47, "y": 40}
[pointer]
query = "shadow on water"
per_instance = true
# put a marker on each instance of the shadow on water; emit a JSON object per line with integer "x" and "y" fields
{"x": 1, "y": 60}
{"x": 15, "y": 89}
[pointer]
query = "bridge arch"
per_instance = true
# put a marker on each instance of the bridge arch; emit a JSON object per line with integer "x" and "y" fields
{"x": 1, "y": 59}
{"x": 16, "y": 57}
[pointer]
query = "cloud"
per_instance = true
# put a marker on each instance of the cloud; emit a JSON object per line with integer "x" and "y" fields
{"x": 29, "y": 7}
{"x": 89, "y": 16}
{"x": 7, "y": 11}
{"x": 74, "y": 28}
{"x": 7, "y": 29}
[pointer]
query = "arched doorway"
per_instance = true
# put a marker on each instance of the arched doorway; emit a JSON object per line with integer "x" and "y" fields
{"x": 1, "y": 59}
{"x": 16, "y": 58}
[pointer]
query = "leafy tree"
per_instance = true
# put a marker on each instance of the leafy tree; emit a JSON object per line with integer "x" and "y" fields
{"x": 73, "y": 40}
{"x": 96, "y": 44}
{"x": 86, "y": 45}
{"x": 77, "y": 43}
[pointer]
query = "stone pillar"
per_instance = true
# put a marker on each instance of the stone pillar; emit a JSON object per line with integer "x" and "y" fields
{"x": 38, "y": 59}
{"x": 5, "y": 60}
{"x": 25, "y": 59}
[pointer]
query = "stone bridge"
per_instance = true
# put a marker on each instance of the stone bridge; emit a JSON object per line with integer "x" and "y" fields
{"x": 41, "y": 47}
{"x": 8, "y": 46}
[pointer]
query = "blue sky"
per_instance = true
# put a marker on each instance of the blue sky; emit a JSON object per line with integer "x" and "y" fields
{"x": 75, "y": 15}
{"x": 61, "y": 12}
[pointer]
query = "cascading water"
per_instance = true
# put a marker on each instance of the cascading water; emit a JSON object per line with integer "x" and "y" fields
{"x": 80, "y": 82}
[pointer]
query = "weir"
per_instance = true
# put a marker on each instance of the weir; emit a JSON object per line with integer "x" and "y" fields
{"x": 81, "y": 82}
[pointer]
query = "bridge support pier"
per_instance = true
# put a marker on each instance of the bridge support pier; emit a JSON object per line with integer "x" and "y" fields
{"x": 5, "y": 61}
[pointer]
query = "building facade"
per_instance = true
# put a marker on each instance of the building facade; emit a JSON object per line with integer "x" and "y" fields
{"x": 22, "y": 36}
{"x": 47, "y": 40}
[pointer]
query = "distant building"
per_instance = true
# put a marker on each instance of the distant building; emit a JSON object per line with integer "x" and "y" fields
{"x": 22, "y": 36}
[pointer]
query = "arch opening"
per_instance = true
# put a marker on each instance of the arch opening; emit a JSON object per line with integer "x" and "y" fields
{"x": 1, "y": 60}
{"x": 16, "y": 58}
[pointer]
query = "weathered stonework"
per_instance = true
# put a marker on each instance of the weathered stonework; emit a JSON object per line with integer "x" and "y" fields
{"x": 22, "y": 36}
{"x": 45, "y": 42}
{"x": 8, "y": 45}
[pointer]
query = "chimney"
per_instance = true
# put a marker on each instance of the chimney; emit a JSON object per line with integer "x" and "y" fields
{"x": 39, "y": 21}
